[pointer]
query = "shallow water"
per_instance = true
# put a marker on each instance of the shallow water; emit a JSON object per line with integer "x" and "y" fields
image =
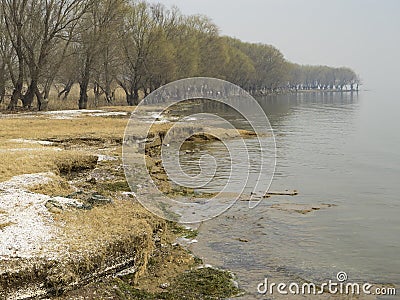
{"x": 336, "y": 148}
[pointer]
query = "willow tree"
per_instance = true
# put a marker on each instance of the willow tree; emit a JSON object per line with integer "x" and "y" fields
{"x": 5, "y": 57}
{"x": 161, "y": 66}
{"x": 92, "y": 38}
{"x": 14, "y": 17}
{"x": 39, "y": 29}
{"x": 239, "y": 68}
{"x": 212, "y": 50}
{"x": 139, "y": 37}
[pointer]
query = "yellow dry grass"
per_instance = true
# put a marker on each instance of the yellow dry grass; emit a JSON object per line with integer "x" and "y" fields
{"x": 45, "y": 160}
{"x": 128, "y": 109}
{"x": 106, "y": 235}
{"x": 43, "y": 128}
{"x": 21, "y": 157}
{"x": 122, "y": 228}
{"x": 58, "y": 186}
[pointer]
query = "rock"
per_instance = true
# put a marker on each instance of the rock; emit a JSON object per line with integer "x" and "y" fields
{"x": 164, "y": 285}
{"x": 97, "y": 200}
{"x": 92, "y": 180}
{"x": 55, "y": 210}
{"x": 243, "y": 240}
{"x": 54, "y": 207}
{"x": 301, "y": 208}
{"x": 58, "y": 204}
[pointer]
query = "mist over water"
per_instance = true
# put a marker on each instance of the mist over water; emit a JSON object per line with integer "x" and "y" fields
{"x": 334, "y": 148}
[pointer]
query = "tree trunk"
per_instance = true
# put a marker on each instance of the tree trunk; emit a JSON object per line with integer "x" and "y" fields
{"x": 27, "y": 100}
{"x": 2, "y": 82}
{"x": 2, "y": 93}
{"x": 66, "y": 90}
{"x": 84, "y": 84}
{"x": 146, "y": 92}
{"x": 110, "y": 96}
{"x": 97, "y": 93}
{"x": 16, "y": 95}
{"x": 17, "y": 92}
{"x": 135, "y": 96}
{"x": 42, "y": 100}
{"x": 130, "y": 99}
{"x": 83, "y": 98}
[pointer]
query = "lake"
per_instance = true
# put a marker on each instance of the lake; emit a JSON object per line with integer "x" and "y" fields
{"x": 334, "y": 148}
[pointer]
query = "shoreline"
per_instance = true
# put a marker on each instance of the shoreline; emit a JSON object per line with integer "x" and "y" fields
{"x": 57, "y": 105}
{"x": 96, "y": 229}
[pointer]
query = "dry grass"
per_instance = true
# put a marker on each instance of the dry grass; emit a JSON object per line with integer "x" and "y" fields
{"x": 93, "y": 241}
{"x": 58, "y": 186}
{"x": 128, "y": 109}
{"x": 98, "y": 236}
{"x": 4, "y": 225}
{"x": 42, "y": 128}
{"x": 25, "y": 158}
{"x": 29, "y": 162}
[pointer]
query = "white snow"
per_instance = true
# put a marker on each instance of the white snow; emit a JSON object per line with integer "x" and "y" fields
{"x": 29, "y": 226}
{"x": 11, "y": 150}
{"x": 109, "y": 114}
{"x": 26, "y": 141}
{"x": 101, "y": 157}
{"x": 72, "y": 114}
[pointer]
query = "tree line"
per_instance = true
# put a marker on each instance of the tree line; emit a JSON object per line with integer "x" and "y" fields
{"x": 102, "y": 45}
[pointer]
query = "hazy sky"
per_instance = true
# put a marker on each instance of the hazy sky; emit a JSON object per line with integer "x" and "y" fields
{"x": 361, "y": 34}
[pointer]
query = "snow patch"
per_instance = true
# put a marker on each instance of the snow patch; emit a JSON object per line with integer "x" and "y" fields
{"x": 26, "y": 141}
{"x": 27, "y": 225}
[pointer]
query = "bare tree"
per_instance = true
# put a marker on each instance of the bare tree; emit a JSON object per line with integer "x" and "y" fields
{"x": 94, "y": 28}
{"x": 109, "y": 61}
{"x": 139, "y": 37}
{"x": 38, "y": 29}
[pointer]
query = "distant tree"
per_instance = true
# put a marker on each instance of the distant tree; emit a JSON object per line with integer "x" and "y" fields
{"x": 135, "y": 45}
{"x": 239, "y": 68}
{"x": 6, "y": 53}
{"x": 161, "y": 66}
{"x": 40, "y": 32}
{"x": 93, "y": 38}
{"x": 140, "y": 36}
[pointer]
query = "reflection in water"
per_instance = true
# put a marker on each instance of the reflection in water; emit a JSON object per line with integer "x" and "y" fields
{"x": 325, "y": 151}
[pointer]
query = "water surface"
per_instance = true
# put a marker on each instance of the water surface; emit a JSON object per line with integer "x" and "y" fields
{"x": 336, "y": 148}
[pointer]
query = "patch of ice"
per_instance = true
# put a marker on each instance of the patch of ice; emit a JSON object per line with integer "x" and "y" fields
{"x": 128, "y": 194}
{"x": 72, "y": 112}
{"x": 69, "y": 114}
{"x": 101, "y": 157}
{"x": 29, "y": 149}
{"x": 28, "y": 225}
{"x": 22, "y": 182}
{"x": 186, "y": 241}
{"x": 26, "y": 141}
{"x": 125, "y": 272}
{"x": 205, "y": 266}
{"x": 109, "y": 114}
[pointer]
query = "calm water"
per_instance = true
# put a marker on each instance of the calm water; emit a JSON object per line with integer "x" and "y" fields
{"x": 341, "y": 149}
